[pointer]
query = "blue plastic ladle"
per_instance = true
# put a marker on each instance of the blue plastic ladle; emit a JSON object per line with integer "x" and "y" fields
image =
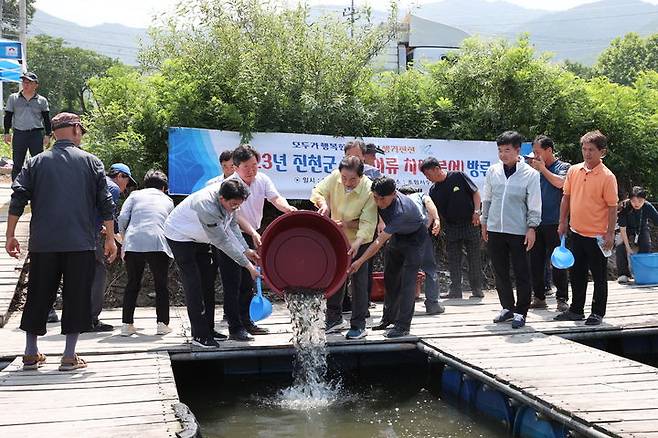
{"x": 562, "y": 258}
{"x": 260, "y": 307}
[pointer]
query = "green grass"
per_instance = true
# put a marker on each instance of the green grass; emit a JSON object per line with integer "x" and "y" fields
{"x": 5, "y": 149}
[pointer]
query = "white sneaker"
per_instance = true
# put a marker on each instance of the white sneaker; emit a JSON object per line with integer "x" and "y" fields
{"x": 163, "y": 329}
{"x": 622, "y": 279}
{"x": 128, "y": 330}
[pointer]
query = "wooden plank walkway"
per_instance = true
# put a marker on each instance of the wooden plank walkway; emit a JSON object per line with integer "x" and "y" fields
{"x": 127, "y": 395}
{"x": 128, "y": 388}
{"x": 613, "y": 394}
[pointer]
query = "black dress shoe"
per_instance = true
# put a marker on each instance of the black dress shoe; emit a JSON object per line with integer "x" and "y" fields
{"x": 100, "y": 327}
{"x": 381, "y": 326}
{"x": 449, "y": 295}
{"x": 219, "y": 336}
{"x": 241, "y": 335}
{"x": 253, "y": 329}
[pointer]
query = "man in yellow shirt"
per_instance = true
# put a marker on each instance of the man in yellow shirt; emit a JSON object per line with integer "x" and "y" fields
{"x": 346, "y": 197}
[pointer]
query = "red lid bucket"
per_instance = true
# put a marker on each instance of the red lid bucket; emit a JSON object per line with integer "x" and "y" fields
{"x": 304, "y": 249}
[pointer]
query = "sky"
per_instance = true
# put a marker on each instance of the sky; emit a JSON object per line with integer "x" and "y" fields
{"x": 94, "y": 12}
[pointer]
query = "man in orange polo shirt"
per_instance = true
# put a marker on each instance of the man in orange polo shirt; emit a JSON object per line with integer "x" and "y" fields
{"x": 589, "y": 209}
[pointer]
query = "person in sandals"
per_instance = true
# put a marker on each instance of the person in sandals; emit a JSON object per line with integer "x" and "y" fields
{"x": 66, "y": 187}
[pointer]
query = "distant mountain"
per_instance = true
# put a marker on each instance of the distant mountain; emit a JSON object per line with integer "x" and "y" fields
{"x": 477, "y": 16}
{"x": 578, "y": 34}
{"x": 113, "y": 40}
{"x": 583, "y": 32}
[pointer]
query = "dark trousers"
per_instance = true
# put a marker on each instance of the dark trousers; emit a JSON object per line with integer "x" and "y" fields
{"x": 401, "y": 265}
{"x": 588, "y": 257}
{"x": 196, "y": 269}
{"x": 21, "y": 142}
{"x": 100, "y": 280}
{"x": 644, "y": 243}
{"x": 46, "y": 272}
{"x": 159, "y": 265}
{"x": 502, "y": 248}
{"x": 546, "y": 239}
{"x": 459, "y": 236}
{"x": 238, "y": 291}
{"x": 358, "y": 284}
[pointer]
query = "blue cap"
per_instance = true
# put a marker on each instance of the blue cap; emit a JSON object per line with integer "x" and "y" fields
{"x": 123, "y": 168}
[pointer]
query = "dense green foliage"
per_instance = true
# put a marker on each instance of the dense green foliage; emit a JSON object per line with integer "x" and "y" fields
{"x": 64, "y": 72}
{"x": 241, "y": 65}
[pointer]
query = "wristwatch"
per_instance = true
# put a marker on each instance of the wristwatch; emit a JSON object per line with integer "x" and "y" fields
{"x": 477, "y": 212}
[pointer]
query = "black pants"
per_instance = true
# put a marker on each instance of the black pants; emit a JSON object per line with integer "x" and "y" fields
{"x": 588, "y": 257}
{"x": 644, "y": 243}
{"x": 502, "y": 248}
{"x": 238, "y": 291}
{"x": 546, "y": 239}
{"x": 401, "y": 265}
{"x": 21, "y": 142}
{"x": 159, "y": 265}
{"x": 46, "y": 272}
{"x": 359, "y": 291}
{"x": 196, "y": 269}
{"x": 459, "y": 236}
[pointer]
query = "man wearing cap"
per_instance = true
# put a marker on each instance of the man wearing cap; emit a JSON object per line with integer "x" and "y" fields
{"x": 118, "y": 179}
{"x": 66, "y": 187}
{"x": 370, "y": 156}
{"x": 27, "y": 112}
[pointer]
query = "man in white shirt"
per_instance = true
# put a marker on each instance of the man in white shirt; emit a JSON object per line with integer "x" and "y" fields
{"x": 208, "y": 216}
{"x": 226, "y": 162}
{"x": 235, "y": 277}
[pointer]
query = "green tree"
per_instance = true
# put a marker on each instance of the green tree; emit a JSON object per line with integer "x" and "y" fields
{"x": 64, "y": 72}
{"x": 10, "y": 16}
{"x": 579, "y": 69}
{"x": 626, "y": 57}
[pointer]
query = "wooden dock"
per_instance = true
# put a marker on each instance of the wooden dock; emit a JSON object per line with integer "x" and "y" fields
{"x": 117, "y": 395}
{"x": 128, "y": 388}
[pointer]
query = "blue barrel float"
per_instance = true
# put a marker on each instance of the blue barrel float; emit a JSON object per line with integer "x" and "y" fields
{"x": 495, "y": 406}
{"x": 530, "y": 424}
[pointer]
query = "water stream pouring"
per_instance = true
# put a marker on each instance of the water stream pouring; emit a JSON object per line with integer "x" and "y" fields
{"x": 260, "y": 307}
{"x": 562, "y": 258}
{"x": 304, "y": 256}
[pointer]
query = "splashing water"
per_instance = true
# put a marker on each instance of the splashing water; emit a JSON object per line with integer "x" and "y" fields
{"x": 310, "y": 389}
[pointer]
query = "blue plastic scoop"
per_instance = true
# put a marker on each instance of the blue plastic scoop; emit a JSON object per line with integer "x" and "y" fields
{"x": 260, "y": 307}
{"x": 562, "y": 258}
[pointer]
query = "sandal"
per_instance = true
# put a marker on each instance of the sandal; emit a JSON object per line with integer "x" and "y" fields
{"x": 33, "y": 361}
{"x": 72, "y": 363}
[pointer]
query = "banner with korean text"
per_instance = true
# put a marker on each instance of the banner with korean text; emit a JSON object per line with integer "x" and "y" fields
{"x": 296, "y": 162}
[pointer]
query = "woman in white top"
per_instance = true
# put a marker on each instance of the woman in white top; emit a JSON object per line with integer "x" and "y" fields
{"x": 141, "y": 223}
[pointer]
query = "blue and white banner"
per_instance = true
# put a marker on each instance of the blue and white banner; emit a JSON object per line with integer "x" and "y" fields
{"x": 296, "y": 162}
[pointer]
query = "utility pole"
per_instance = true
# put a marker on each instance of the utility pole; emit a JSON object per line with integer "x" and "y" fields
{"x": 2, "y": 5}
{"x": 351, "y": 11}
{"x": 22, "y": 26}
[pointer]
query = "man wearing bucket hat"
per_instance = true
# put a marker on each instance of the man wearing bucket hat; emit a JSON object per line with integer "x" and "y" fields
{"x": 28, "y": 114}
{"x": 589, "y": 210}
{"x": 118, "y": 178}
{"x": 66, "y": 186}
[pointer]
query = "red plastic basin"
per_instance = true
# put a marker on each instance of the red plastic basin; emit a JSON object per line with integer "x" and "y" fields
{"x": 379, "y": 289}
{"x": 304, "y": 249}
